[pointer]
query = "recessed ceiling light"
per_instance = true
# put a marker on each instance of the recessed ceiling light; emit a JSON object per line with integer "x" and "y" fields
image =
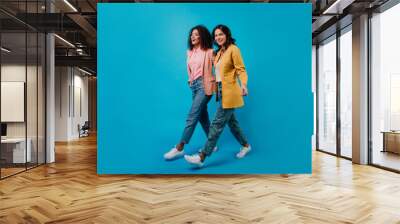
{"x": 64, "y": 40}
{"x": 5, "y": 50}
{"x": 70, "y": 5}
{"x": 337, "y": 7}
{"x": 84, "y": 71}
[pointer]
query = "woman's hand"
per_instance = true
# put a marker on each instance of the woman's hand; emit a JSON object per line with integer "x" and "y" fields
{"x": 244, "y": 90}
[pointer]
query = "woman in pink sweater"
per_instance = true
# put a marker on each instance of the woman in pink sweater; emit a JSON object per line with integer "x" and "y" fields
{"x": 201, "y": 82}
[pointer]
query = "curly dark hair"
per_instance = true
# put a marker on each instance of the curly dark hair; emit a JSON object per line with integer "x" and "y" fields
{"x": 229, "y": 39}
{"x": 205, "y": 37}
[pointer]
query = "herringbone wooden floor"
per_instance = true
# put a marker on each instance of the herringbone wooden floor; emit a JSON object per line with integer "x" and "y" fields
{"x": 70, "y": 191}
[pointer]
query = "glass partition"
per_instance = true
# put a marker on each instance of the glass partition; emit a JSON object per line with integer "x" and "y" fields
{"x": 15, "y": 150}
{"x": 23, "y": 88}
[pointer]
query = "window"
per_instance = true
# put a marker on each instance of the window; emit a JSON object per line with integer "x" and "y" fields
{"x": 346, "y": 74}
{"x": 327, "y": 95}
{"x": 385, "y": 88}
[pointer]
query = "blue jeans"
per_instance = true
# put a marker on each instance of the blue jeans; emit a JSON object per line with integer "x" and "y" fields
{"x": 198, "y": 112}
{"x": 223, "y": 117}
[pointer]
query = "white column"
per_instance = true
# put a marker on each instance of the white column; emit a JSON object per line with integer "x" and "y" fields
{"x": 50, "y": 93}
{"x": 360, "y": 90}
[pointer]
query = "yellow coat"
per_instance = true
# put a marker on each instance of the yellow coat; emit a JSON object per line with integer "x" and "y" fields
{"x": 231, "y": 68}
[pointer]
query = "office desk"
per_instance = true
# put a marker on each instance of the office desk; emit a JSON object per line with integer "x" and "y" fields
{"x": 13, "y": 150}
{"x": 391, "y": 141}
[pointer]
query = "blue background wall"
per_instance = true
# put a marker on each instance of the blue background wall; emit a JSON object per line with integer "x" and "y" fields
{"x": 143, "y": 96}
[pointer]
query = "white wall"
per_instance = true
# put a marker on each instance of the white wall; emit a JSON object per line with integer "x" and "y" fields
{"x": 71, "y": 94}
{"x": 33, "y": 127}
{"x": 62, "y": 81}
{"x": 81, "y": 103}
{"x": 12, "y": 73}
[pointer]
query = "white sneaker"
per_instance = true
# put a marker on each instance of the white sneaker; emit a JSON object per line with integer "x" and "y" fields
{"x": 173, "y": 153}
{"x": 194, "y": 159}
{"x": 243, "y": 152}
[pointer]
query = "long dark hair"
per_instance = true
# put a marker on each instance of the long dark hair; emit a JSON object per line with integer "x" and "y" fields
{"x": 205, "y": 37}
{"x": 229, "y": 39}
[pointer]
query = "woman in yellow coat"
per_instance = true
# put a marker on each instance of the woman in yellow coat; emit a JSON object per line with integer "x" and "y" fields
{"x": 229, "y": 70}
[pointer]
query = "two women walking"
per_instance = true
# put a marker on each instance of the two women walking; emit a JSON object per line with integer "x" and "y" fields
{"x": 229, "y": 85}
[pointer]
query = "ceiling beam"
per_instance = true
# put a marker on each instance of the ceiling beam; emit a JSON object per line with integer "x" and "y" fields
{"x": 86, "y": 26}
{"x": 82, "y": 61}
